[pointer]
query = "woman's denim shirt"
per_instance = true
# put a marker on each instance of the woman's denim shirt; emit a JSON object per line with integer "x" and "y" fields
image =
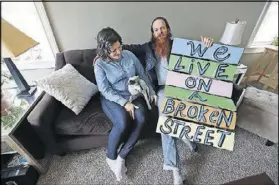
{"x": 112, "y": 77}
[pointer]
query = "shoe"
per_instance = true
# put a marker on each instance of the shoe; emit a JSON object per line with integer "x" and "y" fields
{"x": 195, "y": 147}
{"x": 177, "y": 177}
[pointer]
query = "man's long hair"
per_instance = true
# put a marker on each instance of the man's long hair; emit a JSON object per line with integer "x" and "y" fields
{"x": 105, "y": 39}
{"x": 162, "y": 48}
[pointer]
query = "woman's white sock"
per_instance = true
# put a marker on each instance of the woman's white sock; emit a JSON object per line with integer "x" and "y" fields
{"x": 120, "y": 168}
{"x": 112, "y": 166}
{"x": 111, "y": 163}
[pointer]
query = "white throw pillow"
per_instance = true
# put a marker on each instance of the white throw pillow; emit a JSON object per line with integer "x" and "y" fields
{"x": 69, "y": 87}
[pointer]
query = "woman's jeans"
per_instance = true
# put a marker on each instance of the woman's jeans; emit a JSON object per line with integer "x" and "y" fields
{"x": 170, "y": 152}
{"x": 124, "y": 130}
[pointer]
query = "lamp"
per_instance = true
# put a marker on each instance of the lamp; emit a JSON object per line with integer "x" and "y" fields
{"x": 14, "y": 43}
{"x": 233, "y": 32}
{"x": 232, "y": 35}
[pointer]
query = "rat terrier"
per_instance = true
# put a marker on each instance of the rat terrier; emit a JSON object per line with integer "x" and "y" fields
{"x": 137, "y": 87}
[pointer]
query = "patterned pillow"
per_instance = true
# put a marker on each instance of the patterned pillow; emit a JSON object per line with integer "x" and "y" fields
{"x": 69, "y": 87}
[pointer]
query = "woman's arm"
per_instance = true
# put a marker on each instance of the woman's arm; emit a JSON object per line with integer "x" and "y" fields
{"x": 105, "y": 87}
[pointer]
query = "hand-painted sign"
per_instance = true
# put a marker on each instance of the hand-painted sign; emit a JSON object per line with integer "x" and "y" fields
{"x": 220, "y": 71}
{"x": 198, "y": 91}
{"x": 197, "y": 133}
{"x": 196, "y": 49}
{"x": 199, "y": 97}
{"x": 199, "y": 113}
{"x": 196, "y": 83}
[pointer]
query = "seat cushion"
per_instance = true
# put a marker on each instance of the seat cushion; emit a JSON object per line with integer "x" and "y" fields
{"x": 258, "y": 113}
{"x": 261, "y": 99}
{"x": 90, "y": 121}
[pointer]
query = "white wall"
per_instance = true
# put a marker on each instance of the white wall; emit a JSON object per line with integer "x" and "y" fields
{"x": 76, "y": 24}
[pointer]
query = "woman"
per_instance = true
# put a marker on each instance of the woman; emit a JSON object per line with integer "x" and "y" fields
{"x": 113, "y": 67}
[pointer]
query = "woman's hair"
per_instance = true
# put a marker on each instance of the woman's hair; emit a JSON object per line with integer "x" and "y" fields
{"x": 105, "y": 39}
{"x": 167, "y": 24}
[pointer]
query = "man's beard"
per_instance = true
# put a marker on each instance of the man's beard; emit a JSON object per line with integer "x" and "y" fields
{"x": 162, "y": 46}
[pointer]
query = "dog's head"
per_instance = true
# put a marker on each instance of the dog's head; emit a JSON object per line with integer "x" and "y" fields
{"x": 135, "y": 80}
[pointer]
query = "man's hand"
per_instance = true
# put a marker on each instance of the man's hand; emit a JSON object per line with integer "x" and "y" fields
{"x": 130, "y": 108}
{"x": 207, "y": 41}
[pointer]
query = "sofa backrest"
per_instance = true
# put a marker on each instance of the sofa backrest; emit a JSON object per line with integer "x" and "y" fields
{"x": 82, "y": 58}
{"x": 78, "y": 57}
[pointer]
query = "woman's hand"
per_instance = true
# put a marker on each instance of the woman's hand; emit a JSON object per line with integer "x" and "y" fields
{"x": 130, "y": 108}
{"x": 207, "y": 41}
{"x": 154, "y": 98}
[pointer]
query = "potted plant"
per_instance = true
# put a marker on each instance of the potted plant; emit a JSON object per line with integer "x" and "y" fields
{"x": 5, "y": 77}
{"x": 10, "y": 111}
{"x": 275, "y": 41}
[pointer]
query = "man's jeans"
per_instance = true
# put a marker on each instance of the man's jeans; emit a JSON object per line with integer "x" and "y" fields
{"x": 170, "y": 152}
{"x": 124, "y": 130}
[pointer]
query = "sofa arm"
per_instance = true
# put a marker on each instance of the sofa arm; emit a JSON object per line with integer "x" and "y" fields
{"x": 42, "y": 118}
{"x": 237, "y": 94}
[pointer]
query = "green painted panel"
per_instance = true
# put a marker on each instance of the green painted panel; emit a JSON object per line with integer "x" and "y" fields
{"x": 206, "y": 67}
{"x": 199, "y": 97}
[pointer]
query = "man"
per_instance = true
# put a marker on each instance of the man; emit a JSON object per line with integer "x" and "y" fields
{"x": 157, "y": 53}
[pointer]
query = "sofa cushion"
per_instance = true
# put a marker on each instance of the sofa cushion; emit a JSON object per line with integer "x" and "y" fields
{"x": 69, "y": 87}
{"x": 258, "y": 113}
{"x": 261, "y": 99}
{"x": 90, "y": 121}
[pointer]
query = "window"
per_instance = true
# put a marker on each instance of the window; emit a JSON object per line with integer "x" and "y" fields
{"x": 24, "y": 16}
{"x": 38, "y": 61}
{"x": 266, "y": 29}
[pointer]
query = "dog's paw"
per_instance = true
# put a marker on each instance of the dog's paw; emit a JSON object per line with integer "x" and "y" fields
{"x": 136, "y": 107}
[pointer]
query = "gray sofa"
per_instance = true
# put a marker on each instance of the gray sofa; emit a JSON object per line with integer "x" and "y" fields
{"x": 60, "y": 129}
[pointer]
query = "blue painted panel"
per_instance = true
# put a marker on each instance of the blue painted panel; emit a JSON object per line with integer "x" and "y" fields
{"x": 217, "y": 52}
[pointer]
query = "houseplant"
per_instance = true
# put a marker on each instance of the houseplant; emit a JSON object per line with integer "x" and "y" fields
{"x": 275, "y": 41}
{"x": 10, "y": 111}
{"x": 5, "y": 77}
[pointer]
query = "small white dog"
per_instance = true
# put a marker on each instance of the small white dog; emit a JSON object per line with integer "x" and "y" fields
{"x": 137, "y": 87}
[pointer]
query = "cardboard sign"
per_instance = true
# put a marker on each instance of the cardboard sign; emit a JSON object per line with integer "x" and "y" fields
{"x": 199, "y": 97}
{"x": 199, "y": 113}
{"x": 201, "y": 84}
{"x": 197, "y": 133}
{"x": 217, "y": 52}
{"x": 220, "y": 71}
